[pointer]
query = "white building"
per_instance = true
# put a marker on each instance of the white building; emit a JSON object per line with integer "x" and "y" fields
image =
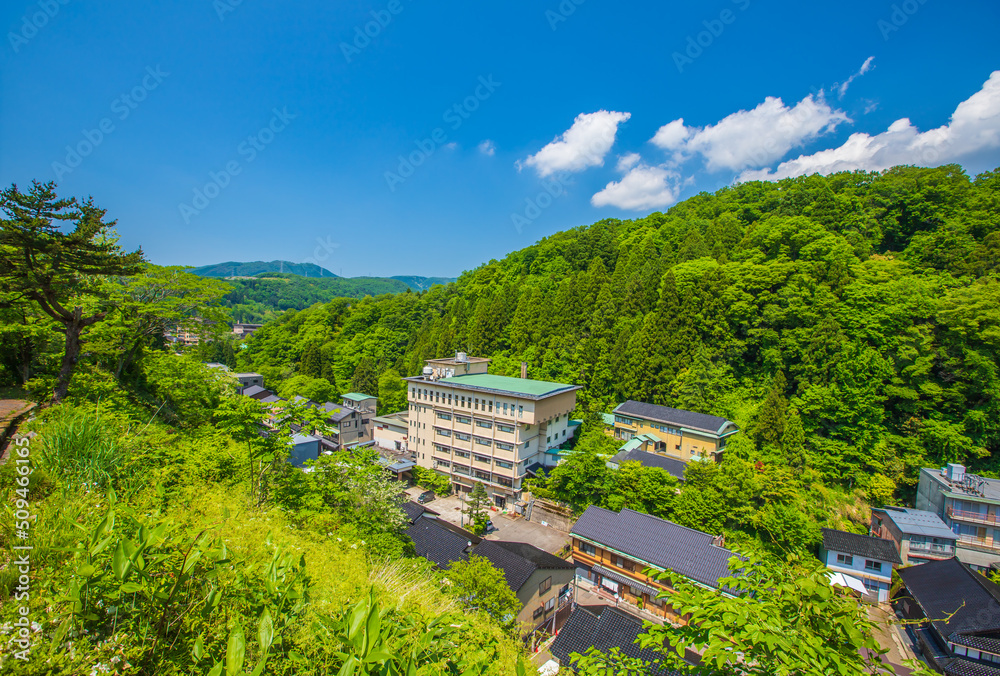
{"x": 867, "y": 558}
{"x": 477, "y": 427}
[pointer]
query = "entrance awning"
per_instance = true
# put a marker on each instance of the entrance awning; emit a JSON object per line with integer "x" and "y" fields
{"x": 633, "y": 585}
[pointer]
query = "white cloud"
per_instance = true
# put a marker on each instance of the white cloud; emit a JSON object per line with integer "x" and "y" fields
{"x": 627, "y": 161}
{"x": 642, "y": 187}
{"x": 583, "y": 145}
{"x": 451, "y": 146}
{"x": 751, "y": 138}
{"x": 974, "y": 127}
{"x": 671, "y": 136}
{"x": 865, "y": 67}
{"x": 487, "y": 147}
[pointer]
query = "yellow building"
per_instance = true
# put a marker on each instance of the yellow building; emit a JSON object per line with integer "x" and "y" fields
{"x": 673, "y": 432}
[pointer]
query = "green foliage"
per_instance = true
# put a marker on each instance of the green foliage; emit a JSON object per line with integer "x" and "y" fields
{"x": 781, "y": 620}
{"x": 391, "y": 392}
{"x": 431, "y": 480}
{"x": 83, "y": 449}
{"x": 187, "y": 390}
{"x": 479, "y": 585}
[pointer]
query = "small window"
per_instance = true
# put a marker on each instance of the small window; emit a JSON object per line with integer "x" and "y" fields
{"x": 588, "y": 548}
{"x": 845, "y": 560}
{"x": 545, "y": 586}
{"x": 873, "y": 565}
{"x": 491, "y": 406}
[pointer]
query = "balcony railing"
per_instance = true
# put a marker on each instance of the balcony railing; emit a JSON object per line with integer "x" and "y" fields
{"x": 979, "y": 545}
{"x": 932, "y": 548}
{"x": 974, "y": 517}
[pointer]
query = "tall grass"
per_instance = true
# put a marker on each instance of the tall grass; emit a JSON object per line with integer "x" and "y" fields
{"x": 77, "y": 446}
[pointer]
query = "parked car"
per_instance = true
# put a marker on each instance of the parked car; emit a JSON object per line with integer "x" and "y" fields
{"x": 425, "y": 497}
{"x": 490, "y": 527}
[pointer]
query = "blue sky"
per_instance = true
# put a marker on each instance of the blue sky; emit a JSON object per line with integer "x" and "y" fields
{"x": 291, "y": 125}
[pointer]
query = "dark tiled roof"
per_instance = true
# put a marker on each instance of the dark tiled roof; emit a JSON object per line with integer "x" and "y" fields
{"x": 963, "y": 667}
{"x": 253, "y": 391}
{"x": 272, "y": 399}
{"x": 518, "y": 560}
{"x": 658, "y": 542}
{"x": 860, "y": 545}
{"x": 604, "y": 628}
{"x": 671, "y": 465}
{"x": 953, "y": 597}
{"x": 989, "y": 641}
{"x": 341, "y": 414}
{"x": 412, "y": 510}
{"x": 436, "y": 543}
{"x": 673, "y": 416}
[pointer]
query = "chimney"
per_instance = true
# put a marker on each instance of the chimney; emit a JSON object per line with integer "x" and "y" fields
{"x": 719, "y": 540}
{"x": 524, "y": 369}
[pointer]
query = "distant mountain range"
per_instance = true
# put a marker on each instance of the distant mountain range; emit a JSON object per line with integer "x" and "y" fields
{"x": 311, "y": 270}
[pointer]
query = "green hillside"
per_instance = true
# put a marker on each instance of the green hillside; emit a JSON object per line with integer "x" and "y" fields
{"x": 849, "y": 324}
{"x": 253, "y": 268}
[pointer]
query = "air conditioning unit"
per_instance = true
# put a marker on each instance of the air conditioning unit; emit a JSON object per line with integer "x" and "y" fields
{"x": 955, "y": 472}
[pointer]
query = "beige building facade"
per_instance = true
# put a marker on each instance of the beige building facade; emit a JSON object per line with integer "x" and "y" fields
{"x": 473, "y": 426}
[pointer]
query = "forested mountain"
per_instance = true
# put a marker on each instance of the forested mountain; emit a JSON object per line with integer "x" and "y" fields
{"x": 253, "y": 268}
{"x": 850, "y": 324}
{"x": 265, "y": 296}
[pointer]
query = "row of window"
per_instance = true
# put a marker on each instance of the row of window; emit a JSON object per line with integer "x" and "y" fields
{"x": 503, "y": 464}
{"x": 463, "y": 401}
{"x": 848, "y": 560}
{"x": 475, "y": 473}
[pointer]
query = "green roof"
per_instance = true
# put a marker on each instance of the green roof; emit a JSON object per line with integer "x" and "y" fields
{"x": 608, "y": 418}
{"x": 522, "y": 386}
{"x": 354, "y": 396}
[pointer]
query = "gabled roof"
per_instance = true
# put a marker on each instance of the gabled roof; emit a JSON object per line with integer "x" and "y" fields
{"x": 357, "y": 396}
{"x": 917, "y": 522}
{"x": 964, "y": 667}
{"x": 953, "y": 597}
{"x": 271, "y": 399}
{"x": 671, "y": 465}
{"x": 436, "y": 543}
{"x": 603, "y": 628}
{"x": 672, "y": 416}
{"x": 518, "y": 560}
{"x": 253, "y": 391}
{"x": 658, "y": 542}
{"x": 860, "y": 545}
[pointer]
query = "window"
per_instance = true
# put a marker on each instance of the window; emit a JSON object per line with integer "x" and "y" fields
{"x": 484, "y": 424}
{"x": 503, "y": 464}
{"x": 505, "y": 428}
{"x": 538, "y": 613}
{"x": 505, "y": 408}
{"x": 442, "y": 463}
{"x": 443, "y": 433}
{"x": 520, "y": 411}
{"x": 463, "y": 437}
{"x": 449, "y": 398}
{"x": 462, "y": 454}
{"x": 482, "y": 458}
{"x": 504, "y": 447}
{"x": 463, "y": 420}
{"x": 873, "y": 565}
{"x": 545, "y": 586}
{"x": 483, "y": 442}
{"x": 871, "y": 585}
{"x": 485, "y": 476}
{"x": 550, "y": 604}
{"x": 476, "y": 403}
{"x": 845, "y": 560}
{"x": 491, "y": 406}
{"x": 443, "y": 416}
{"x": 459, "y": 469}
{"x": 588, "y": 548}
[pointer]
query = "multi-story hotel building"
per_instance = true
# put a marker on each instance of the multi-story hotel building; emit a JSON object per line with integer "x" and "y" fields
{"x": 473, "y": 426}
{"x": 970, "y": 506}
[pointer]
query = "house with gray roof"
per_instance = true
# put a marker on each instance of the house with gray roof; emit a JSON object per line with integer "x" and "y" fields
{"x": 969, "y": 504}
{"x": 960, "y": 614}
{"x": 615, "y": 549}
{"x": 870, "y": 559}
{"x": 681, "y": 434}
{"x": 919, "y": 535}
{"x": 671, "y": 466}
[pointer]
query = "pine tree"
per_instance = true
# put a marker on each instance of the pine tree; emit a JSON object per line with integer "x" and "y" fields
{"x": 793, "y": 440}
{"x": 311, "y": 363}
{"x": 475, "y": 510}
{"x": 365, "y": 379}
{"x": 772, "y": 417}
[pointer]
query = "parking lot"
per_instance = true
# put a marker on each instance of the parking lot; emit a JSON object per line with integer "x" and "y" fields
{"x": 510, "y": 527}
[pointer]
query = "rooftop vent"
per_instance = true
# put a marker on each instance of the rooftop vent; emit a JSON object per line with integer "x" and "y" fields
{"x": 428, "y": 370}
{"x": 461, "y": 357}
